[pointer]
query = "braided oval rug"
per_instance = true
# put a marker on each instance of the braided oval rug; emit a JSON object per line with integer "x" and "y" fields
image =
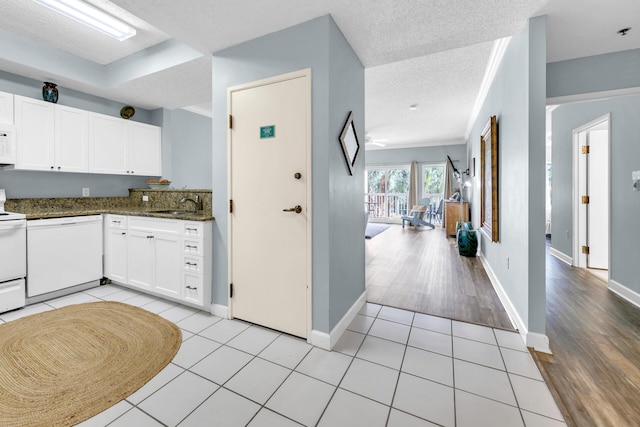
{"x": 63, "y": 366}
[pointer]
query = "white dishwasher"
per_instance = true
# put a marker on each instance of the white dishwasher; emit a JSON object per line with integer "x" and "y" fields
{"x": 63, "y": 252}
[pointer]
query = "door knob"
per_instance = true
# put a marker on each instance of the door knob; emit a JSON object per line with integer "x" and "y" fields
{"x": 296, "y": 209}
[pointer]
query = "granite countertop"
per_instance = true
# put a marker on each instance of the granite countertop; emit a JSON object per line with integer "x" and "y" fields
{"x": 132, "y": 211}
{"x": 140, "y": 202}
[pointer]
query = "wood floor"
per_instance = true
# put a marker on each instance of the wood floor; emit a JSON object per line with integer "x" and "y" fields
{"x": 594, "y": 372}
{"x": 420, "y": 270}
{"x": 595, "y": 340}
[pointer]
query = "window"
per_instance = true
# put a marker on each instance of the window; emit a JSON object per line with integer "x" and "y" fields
{"x": 387, "y": 191}
{"x": 433, "y": 183}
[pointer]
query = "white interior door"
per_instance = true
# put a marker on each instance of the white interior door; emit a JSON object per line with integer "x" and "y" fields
{"x": 598, "y": 207}
{"x": 269, "y": 152}
{"x": 592, "y": 180}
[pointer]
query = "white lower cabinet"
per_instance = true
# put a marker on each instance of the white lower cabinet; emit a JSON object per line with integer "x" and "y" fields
{"x": 116, "y": 263}
{"x": 160, "y": 256}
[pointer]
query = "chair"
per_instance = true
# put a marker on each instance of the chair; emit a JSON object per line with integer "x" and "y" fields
{"x": 426, "y": 202}
{"x": 437, "y": 214}
{"x": 415, "y": 217}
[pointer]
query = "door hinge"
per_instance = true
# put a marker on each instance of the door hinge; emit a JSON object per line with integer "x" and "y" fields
{"x": 230, "y": 121}
{"x": 585, "y": 250}
{"x": 230, "y": 290}
{"x": 585, "y": 200}
{"x": 585, "y": 149}
{"x": 230, "y": 205}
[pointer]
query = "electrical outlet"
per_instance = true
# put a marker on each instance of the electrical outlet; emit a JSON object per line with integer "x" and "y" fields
{"x": 635, "y": 180}
{"x": 85, "y": 192}
{"x": 145, "y": 198}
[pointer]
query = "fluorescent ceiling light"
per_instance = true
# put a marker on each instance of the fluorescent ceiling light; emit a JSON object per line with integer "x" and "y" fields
{"x": 91, "y": 17}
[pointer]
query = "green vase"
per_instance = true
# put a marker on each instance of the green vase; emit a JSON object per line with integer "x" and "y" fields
{"x": 467, "y": 239}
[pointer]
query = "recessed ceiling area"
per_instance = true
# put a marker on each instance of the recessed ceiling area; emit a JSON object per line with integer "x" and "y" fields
{"x": 432, "y": 53}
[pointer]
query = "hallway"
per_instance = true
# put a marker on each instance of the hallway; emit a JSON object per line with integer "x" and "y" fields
{"x": 595, "y": 340}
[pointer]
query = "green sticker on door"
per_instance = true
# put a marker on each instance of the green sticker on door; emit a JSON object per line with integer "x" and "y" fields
{"x": 267, "y": 131}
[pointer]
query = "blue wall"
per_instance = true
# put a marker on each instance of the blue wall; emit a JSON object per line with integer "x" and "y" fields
{"x": 517, "y": 98}
{"x": 612, "y": 71}
{"x": 187, "y": 137}
{"x": 625, "y": 203}
{"x": 337, "y": 88}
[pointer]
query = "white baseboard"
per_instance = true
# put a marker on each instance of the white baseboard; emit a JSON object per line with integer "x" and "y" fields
{"x": 325, "y": 340}
{"x": 219, "y": 310}
{"x": 630, "y": 295}
{"x": 561, "y": 256}
{"x": 540, "y": 342}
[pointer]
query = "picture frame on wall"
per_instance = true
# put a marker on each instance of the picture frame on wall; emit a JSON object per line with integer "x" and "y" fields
{"x": 489, "y": 168}
{"x": 350, "y": 143}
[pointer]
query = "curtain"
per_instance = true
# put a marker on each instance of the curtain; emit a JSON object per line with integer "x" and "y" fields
{"x": 449, "y": 180}
{"x": 413, "y": 186}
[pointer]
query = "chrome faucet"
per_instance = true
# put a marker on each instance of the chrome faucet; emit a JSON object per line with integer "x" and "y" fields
{"x": 197, "y": 202}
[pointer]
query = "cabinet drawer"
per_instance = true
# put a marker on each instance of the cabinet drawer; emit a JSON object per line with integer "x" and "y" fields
{"x": 193, "y": 264}
{"x": 193, "y": 247}
{"x": 160, "y": 225}
{"x": 192, "y": 229}
{"x": 116, "y": 221}
{"x": 12, "y": 295}
{"x": 192, "y": 288}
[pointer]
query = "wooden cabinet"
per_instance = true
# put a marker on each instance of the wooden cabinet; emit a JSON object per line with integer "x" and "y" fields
{"x": 120, "y": 147}
{"x": 169, "y": 258}
{"x": 454, "y": 212}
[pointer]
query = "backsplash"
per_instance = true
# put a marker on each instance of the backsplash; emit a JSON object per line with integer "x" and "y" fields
{"x": 158, "y": 199}
{"x": 167, "y": 199}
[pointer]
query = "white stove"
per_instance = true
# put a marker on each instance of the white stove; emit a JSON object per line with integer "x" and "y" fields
{"x": 12, "y": 216}
{"x": 13, "y": 258}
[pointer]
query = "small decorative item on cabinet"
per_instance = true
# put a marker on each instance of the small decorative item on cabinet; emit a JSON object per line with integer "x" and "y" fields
{"x": 127, "y": 112}
{"x": 158, "y": 185}
{"x": 50, "y": 92}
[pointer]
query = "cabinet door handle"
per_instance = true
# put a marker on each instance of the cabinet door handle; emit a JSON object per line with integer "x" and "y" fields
{"x": 124, "y": 234}
{"x": 192, "y": 288}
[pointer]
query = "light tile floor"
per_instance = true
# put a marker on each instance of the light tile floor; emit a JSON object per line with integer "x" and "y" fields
{"x": 391, "y": 368}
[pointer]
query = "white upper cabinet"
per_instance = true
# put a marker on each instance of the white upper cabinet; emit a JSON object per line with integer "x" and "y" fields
{"x": 6, "y": 107}
{"x": 71, "y": 150}
{"x": 107, "y": 146}
{"x": 35, "y": 138}
{"x": 50, "y": 137}
{"x": 144, "y": 149}
{"x": 122, "y": 147}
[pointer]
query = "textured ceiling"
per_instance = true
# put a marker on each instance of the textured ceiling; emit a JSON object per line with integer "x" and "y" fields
{"x": 427, "y": 52}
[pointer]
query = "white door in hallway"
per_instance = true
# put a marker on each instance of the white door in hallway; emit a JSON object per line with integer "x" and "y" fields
{"x": 269, "y": 190}
{"x": 591, "y": 187}
{"x": 598, "y": 191}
